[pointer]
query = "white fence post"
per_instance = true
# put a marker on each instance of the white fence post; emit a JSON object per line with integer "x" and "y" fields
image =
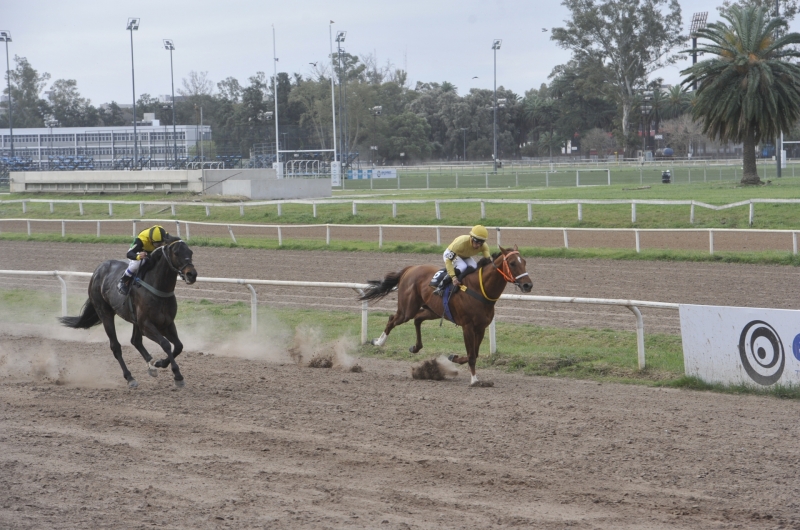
{"x": 98, "y": 229}
{"x": 327, "y": 234}
{"x": 134, "y": 228}
{"x": 633, "y": 211}
{"x": 711, "y": 241}
{"x": 253, "y": 309}
{"x": 637, "y": 240}
{"x": 241, "y": 210}
{"x": 354, "y": 208}
{"x": 427, "y": 181}
{"x": 577, "y": 178}
{"x": 51, "y": 206}
{"x": 492, "y": 337}
{"x": 438, "y": 236}
{"x": 794, "y": 243}
{"x": 314, "y": 209}
{"x": 24, "y": 206}
{"x": 394, "y": 209}
{"x": 63, "y": 295}
{"x": 280, "y": 209}
{"x": 280, "y": 237}
{"x": 364, "y": 321}
{"x": 380, "y": 236}
{"x": 483, "y": 209}
{"x": 752, "y": 208}
{"x": 530, "y": 212}
{"x": 230, "y": 231}
{"x": 172, "y": 209}
{"x": 487, "y": 180}
{"x": 566, "y": 239}
{"x": 546, "y": 179}
{"x": 141, "y": 209}
{"x": 80, "y": 208}
{"x": 63, "y": 228}
{"x": 178, "y": 227}
{"x": 187, "y": 231}
{"x": 110, "y": 210}
{"x": 438, "y": 211}
{"x": 207, "y": 212}
{"x": 580, "y": 212}
{"x": 498, "y": 236}
{"x": 691, "y": 214}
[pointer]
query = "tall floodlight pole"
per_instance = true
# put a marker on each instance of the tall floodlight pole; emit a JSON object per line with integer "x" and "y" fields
{"x": 464, "y": 132}
{"x": 169, "y": 44}
{"x": 779, "y": 139}
{"x": 698, "y": 23}
{"x": 275, "y": 94}
{"x": 133, "y": 24}
{"x": 340, "y": 37}
{"x": 5, "y": 36}
{"x": 333, "y": 98}
{"x": 495, "y": 46}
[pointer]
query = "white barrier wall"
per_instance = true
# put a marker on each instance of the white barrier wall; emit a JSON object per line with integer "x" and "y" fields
{"x": 741, "y": 345}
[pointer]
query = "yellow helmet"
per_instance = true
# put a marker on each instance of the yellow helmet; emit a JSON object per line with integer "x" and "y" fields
{"x": 479, "y": 232}
{"x": 157, "y": 234}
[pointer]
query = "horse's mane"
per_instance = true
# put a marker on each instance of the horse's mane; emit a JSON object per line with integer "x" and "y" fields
{"x": 485, "y": 261}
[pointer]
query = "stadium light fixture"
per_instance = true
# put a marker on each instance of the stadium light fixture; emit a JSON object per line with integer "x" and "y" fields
{"x": 133, "y": 24}
{"x": 495, "y": 46}
{"x": 169, "y": 44}
{"x": 5, "y": 36}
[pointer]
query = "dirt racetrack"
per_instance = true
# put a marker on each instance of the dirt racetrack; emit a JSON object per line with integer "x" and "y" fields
{"x": 256, "y": 440}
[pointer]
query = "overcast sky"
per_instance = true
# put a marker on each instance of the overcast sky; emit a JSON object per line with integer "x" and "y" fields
{"x": 433, "y": 40}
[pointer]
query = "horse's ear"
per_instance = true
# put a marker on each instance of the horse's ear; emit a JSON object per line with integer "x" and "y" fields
{"x": 516, "y": 248}
{"x": 502, "y": 250}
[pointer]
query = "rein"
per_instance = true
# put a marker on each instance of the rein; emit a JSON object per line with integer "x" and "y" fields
{"x": 169, "y": 261}
{"x": 505, "y": 272}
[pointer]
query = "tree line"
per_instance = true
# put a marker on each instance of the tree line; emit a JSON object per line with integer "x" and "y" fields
{"x": 603, "y": 101}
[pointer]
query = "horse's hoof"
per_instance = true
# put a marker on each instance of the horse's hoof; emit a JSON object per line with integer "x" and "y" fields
{"x": 413, "y": 349}
{"x": 451, "y": 357}
{"x": 133, "y": 383}
{"x": 180, "y": 384}
{"x": 152, "y": 371}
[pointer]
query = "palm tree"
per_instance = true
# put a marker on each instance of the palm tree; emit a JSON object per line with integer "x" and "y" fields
{"x": 677, "y": 102}
{"x": 748, "y": 91}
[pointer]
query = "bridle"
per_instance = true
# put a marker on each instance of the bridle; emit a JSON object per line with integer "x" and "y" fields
{"x": 505, "y": 271}
{"x": 169, "y": 260}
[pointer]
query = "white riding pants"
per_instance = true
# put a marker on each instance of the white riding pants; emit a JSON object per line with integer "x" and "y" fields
{"x": 460, "y": 263}
{"x": 133, "y": 266}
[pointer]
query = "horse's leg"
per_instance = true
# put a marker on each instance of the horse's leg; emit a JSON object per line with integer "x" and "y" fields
{"x": 472, "y": 341}
{"x": 116, "y": 349}
{"x": 171, "y": 335}
{"x": 152, "y": 333}
{"x": 136, "y": 340}
{"x": 423, "y": 315}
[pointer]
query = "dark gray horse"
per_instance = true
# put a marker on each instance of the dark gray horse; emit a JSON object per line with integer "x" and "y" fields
{"x": 151, "y": 306}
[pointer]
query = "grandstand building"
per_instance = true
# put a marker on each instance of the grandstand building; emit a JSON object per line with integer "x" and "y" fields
{"x": 57, "y": 148}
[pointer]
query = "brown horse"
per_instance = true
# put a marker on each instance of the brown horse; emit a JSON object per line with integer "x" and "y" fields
{"x": 472, "y": 307}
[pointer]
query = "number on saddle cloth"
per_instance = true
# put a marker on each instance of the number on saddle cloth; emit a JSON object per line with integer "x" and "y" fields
{"x": 438, "y": 277}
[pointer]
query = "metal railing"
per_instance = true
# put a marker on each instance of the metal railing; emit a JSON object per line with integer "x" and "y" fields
{"x": 632, "y": 305}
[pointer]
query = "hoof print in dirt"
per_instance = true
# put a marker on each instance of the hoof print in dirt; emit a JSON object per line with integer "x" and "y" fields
{"x": 482, "y": 384}
{"x": 321, "y": 361}
{"x": 433, "y": 369}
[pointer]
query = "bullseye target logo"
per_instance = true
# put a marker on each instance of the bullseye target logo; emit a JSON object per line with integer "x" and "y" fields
{"x": 762, "y": 352}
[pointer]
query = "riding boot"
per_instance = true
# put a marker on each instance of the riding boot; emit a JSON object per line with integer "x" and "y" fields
{"x": 124, "y": 285}
{"x": 443, "y": 285}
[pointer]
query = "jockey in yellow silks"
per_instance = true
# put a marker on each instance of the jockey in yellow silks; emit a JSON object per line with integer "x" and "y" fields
{"x": 146, "y": 242}
{"x": 458, "y": 257}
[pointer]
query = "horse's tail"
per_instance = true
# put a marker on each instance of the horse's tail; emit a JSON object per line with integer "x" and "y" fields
{"x": 379, "y": 288}
{"x": 85, "y": 320}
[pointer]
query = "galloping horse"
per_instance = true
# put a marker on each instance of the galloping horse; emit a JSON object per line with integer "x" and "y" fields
{"x": 472, "y": 307}
{"x": 151, "y": 307}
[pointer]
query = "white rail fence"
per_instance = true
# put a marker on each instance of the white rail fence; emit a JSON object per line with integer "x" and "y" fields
{"x": 437, "y": 204}
{"x": 632, "y": 305}
{"x": 182, "y": 229}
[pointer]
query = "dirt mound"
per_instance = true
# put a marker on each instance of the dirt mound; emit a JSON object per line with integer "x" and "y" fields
{"x": 434, "y": 369}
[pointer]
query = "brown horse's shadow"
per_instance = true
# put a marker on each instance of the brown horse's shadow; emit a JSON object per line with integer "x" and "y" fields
{"x": 472, "y": 307}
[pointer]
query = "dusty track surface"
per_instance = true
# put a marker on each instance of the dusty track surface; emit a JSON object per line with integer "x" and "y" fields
{"x": 258, "y": 440}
